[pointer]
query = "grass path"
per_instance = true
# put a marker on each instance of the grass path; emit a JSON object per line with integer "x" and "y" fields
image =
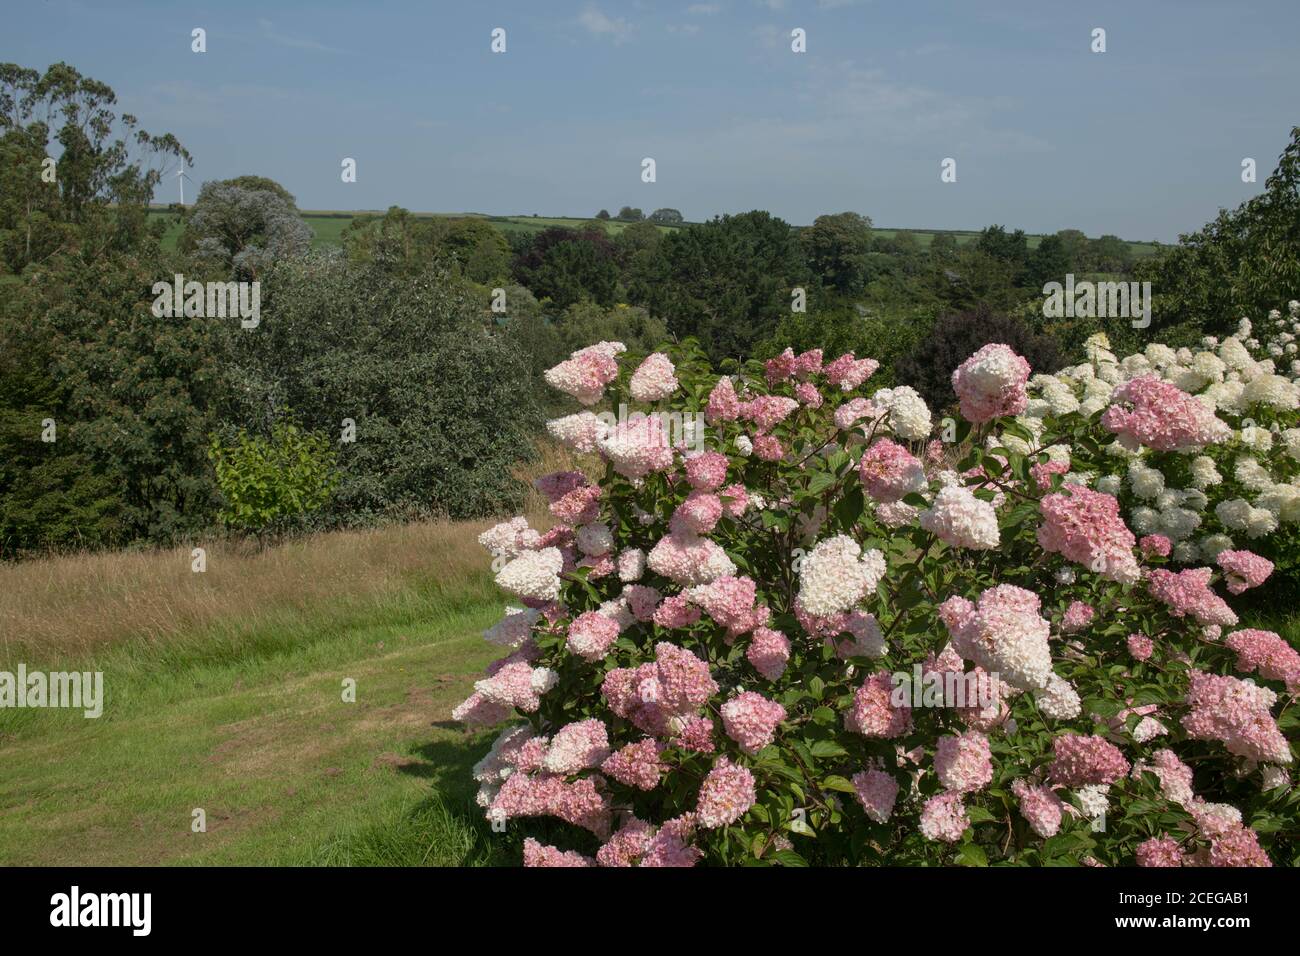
{"x": 286, "y": 771}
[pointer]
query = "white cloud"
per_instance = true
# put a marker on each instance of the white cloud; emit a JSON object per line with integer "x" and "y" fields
{"x": 601, "y": 25}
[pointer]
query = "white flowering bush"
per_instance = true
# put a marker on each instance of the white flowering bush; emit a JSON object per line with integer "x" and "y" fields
{"x": 1199, "y": 480}
{"x": 803, "y": 629}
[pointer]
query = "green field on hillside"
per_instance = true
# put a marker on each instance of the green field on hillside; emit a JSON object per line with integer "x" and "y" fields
{"x": 328, "y": 225}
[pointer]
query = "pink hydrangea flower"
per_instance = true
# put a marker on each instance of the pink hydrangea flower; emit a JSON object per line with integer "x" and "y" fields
{"x": 768, "y": 651}
{"x": 676, "y": 612}
{"x": 991, "y": 383}
{"x": 1004, "y": 633}
{"x": 696, "y": 735}
{"x": 808, "y": 364}
{"x": 848, "y": 372}
{"x": 1082, "y": 761}
{"x": 706, "y": 471}
{"x": 725, "y": 796}
{"x": 698, "y": 514}
{"x": 627, "y": 846}
{"x": 670, "y": 846}
{"x": 1085, "y": 526}
{"x": 654, "y": 379}
{"x": 591, "y": 634}
{"x": 578, "y": 507}
{"x": 963, "y": 763}
{"x": 1267, "y": 653}
{"x": 1140, "y": 646}
{"x": 577, "y": 746}
{"x": 1042, "y": 473}
{"x": 1188, "y": 593}
{"x": 876, "y": 792}
{"x": 1159, "y": 852}
{"x": 723, "y": 405}
{"x": 1243, "y": 569}
{"x": 689, "y": 559}
{"x": 750, "y": 719}
{"x": 642, "y": 601}
{"x": 638, "y": 446}
{"x": 674, "y": 686}
{"x": 943, "y": 817}
{"x": 637, "y": 765}
{"x": 586, "y": 372}
{"x": 888, "y": 471}
{"x": 1237, "y": 714}
{"x": 872, "y": 713}
{"x": 1040, "y": 806}
{"x": 1149, "y": 411}
{"x": 1155, "y": 544}
{"x": 735, "y": 499}
{"x": 854, "y": 411}
{"x": 538, "y": 854}
{"x": 1077, "y": 617}
{"x": 777, "y": 370}
{"x": 768, "y": 411}
{"x": 768, "y": 448}
{"x": 729, "y": 601}
{"x": 807, "y": 394}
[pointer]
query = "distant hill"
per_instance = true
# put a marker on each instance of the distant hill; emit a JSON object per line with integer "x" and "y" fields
{"x": 328, "y": 225}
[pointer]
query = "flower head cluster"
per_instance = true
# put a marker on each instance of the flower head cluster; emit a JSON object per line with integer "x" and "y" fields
{"x": 1082, "y": 761}
{"x": 1188, "y": 593}
{"x": 836, "y": 575}
{"x": 1151, "y": 412}
{"x": 1243, "y": 569}
{"x": 586, "y": 372}
{"x": 751, "y": 719}
{"x": 991, "y": 383}
{"x": 725, "y": 796}
{"x": 1085, "y": 526}
{"x": 1236, "y": 713}
{"x": 961, "y": 520}
{"x": 655, "y": 694}
{"x": 889, "y": 471}
{"x": 1004, "y": 633}
{"x": 654, "y": 379}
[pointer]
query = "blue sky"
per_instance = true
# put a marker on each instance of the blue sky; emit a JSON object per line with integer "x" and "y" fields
{"x": 1144, "y": 140}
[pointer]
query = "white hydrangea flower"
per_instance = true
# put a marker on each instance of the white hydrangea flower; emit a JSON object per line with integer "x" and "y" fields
{"x": 836, "y": 575}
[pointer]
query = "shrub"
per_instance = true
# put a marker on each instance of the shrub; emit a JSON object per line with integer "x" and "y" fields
{"x": 271, "y": 483}
{"x": 439, "y": 395}
{"x": 1240, "y": 490}
{"x": 929, "y": 367}
{"x": 811, "y": 634}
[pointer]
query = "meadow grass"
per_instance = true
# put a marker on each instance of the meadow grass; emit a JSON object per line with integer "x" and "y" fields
{"x": 223, "y": 691}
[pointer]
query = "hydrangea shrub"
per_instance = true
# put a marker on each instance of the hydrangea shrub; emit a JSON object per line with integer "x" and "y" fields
{"x": 825, "y": 625}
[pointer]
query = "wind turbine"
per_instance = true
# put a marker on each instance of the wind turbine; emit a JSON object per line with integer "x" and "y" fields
{"x": 180, "y": 181}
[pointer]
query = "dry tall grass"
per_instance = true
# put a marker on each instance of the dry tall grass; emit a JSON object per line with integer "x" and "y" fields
{"x": 70, "y": 607}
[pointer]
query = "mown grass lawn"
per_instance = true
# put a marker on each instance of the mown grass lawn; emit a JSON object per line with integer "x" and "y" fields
{"x": 285, "y": 770}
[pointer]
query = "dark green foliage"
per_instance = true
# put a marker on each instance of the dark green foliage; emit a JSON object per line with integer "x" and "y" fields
{"x": 568, "y": 266}
{"x": 133, "y": 397}
{"x": 439, "y": 394}
{"x": 837, "y": 249}
{"x": 955, "y": 337}
{"x": 727, "y": 282}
